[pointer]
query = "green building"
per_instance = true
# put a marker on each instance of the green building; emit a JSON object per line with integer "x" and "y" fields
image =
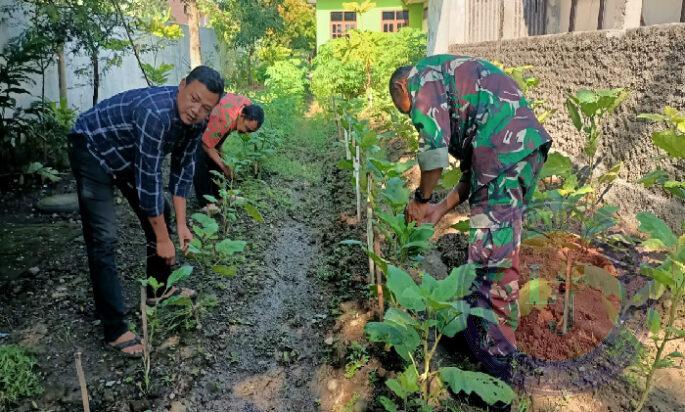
{"x": 333, "y": 21}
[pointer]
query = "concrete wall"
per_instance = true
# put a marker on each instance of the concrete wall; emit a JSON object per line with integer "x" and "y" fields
{"x": 125, "y": 76}
{"x": 650, "y": 61}
{"x": 446, "y": 24}
{"x": 661, "y": 11}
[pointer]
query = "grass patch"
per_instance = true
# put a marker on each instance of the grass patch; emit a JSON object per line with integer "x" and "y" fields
{"x": 302, "y": 154}
{"x": 18, "y": 378}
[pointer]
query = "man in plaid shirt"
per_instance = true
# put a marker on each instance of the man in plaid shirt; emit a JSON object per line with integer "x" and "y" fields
{"x": 122, "y": 142}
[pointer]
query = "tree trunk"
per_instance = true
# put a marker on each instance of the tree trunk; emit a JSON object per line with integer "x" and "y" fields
{"x": 96, "y": 75}
{"x": 600, "y": 17}
{"x": 249, "y": 67}
{"x": 62, "y": 74}
{"x": 682, "y": 13}
{"x": 193, "y": 32}
{"x": 572, "y": 17}
{"x": 130, "y": 40}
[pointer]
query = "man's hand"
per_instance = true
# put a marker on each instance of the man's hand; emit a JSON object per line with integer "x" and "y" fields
{"x": 184, "y": 237}
{"x": 434, "y": 213}
{"x": 415, "y": 211}
{"x": 167, "y": 251}
{"x": 227, "y": 171}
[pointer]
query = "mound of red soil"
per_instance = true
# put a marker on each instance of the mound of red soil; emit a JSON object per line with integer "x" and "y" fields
{"x": 539, "y": 333}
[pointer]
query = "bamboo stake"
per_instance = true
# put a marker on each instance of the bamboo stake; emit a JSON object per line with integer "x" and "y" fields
{"x": 82, "y": 382}
{"x": 357, "y": 187}
{"x": 379, "y": 278}
{"x": 369, "y": 227}
{"x": 567, "y": 292}
{"x": 348, "y": 155}
{"x": 146, "y": 341}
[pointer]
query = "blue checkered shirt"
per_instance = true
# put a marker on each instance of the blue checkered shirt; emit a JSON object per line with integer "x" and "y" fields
{"x": 134, "y": 131}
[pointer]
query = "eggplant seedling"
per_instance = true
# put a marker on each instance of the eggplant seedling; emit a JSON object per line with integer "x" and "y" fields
{"x": 424, "y": 314}
{"x": 209, "y": 251}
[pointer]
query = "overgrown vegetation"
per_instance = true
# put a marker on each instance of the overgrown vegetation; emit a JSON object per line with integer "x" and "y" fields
{"x": 18, "y": 375}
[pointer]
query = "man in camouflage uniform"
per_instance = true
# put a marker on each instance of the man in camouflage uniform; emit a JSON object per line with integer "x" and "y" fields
{"x": 470, "y": 109}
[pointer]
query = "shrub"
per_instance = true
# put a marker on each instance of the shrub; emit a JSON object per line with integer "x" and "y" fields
{"x": 285, "y": 78}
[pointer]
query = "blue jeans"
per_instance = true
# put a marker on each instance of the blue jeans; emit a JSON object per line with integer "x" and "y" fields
{"x": 95, "y": 188}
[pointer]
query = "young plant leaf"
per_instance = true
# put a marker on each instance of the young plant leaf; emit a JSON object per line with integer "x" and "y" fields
{"x": 663, "y": 277}
{"x": 556, "y": 165}
{"x": 656, "y": 228}
{"x": 534, "y": 294}
{"x": 253, "y": 212}
{"x": 653, "y": 321}
{"x": 211, "y": 199}
{"x": 462, "y": 225}
{"x": 225, "y": 271}
{"x": 404, "y": 289}
{"x": 388, "y": 404}
{"x": 490, "y": 389}
{"x": 179, "y": 275}
{"x": 654, "y": 178}
{"x": 670, "y": 141}
{"x": 228, "y": 247}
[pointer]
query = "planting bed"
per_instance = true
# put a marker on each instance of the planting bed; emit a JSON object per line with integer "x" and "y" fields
{"x": 594, "y": 312}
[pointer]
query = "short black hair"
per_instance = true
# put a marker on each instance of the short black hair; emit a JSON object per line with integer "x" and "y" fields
{"x": 254, "y": 112}
{"x": 398, "y": 75}
{"x": 207, "y": 76}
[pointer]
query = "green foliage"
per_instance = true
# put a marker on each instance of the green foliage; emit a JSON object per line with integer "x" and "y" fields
{"x": 158, "y": 76}
{"x": 670, "y": 139}
{"x": 286, "y": 78}
{"x": 668, "y": 275}
{"x": 587, "y": 109}
{"x": 408, "y": 240}
{"x": 299, "y": 26}
{"x": 18, "y": 375}
{"x": 357, "y": 357}
{"x": 153, "y": 17}
{"x": 212, "y": 253}
{"x": 352, "y": 66}
{"x": 425, "y": 313}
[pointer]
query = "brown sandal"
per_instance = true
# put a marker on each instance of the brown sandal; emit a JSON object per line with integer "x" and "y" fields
{"x": 119, "y": 347}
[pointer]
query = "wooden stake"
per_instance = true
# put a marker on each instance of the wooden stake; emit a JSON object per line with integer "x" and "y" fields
{"x": 348, "y": 155}
{"x": 567, "y": 292}
{"x": 146, "y": 341}
{"x": 369, "y": 227}
{"x": 357, "y": 187}
{"x": 379, "y": 278}
{"x": 82, "y": 382}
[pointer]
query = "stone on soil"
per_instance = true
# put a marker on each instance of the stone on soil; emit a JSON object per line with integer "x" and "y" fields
{"x": 64, "y": 203}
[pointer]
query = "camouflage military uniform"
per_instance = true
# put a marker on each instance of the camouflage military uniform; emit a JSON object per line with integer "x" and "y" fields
{"x": 469, "y": 108}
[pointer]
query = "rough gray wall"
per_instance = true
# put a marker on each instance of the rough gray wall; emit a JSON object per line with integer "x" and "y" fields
{"x": 650, "y": 61}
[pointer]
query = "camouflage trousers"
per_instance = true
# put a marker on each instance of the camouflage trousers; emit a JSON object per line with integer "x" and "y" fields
{"x": 497, "y": 212}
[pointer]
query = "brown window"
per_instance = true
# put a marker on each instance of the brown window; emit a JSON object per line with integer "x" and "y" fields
{"x": 342, "y": 22}
{"x": 394, "y": 20}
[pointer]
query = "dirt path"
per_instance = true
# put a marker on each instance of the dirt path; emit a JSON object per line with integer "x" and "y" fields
{"x": 279, "y": 344}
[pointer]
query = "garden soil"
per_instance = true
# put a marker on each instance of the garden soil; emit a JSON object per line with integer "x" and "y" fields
{"x": 276, "y": 336}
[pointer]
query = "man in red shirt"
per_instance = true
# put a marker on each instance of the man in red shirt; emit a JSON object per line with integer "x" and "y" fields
{"x": 233, "y": 113}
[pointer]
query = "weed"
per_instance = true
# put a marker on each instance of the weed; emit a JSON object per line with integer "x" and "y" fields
{"x": 357, "y": 357}
{"x": 18, "y": 377}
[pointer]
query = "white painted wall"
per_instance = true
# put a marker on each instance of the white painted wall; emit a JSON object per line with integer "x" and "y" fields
{"x": 115, "y": 80}
{"x": 661, "y": 11}
{"x": 446, "y": 24}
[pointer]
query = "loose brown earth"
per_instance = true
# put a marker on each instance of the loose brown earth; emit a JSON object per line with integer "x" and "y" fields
{"x": 594, "y": 313}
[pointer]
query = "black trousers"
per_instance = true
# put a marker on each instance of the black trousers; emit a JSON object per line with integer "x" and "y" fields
{"x": 203, "y": 180}
{"x": 95, "y": 188}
